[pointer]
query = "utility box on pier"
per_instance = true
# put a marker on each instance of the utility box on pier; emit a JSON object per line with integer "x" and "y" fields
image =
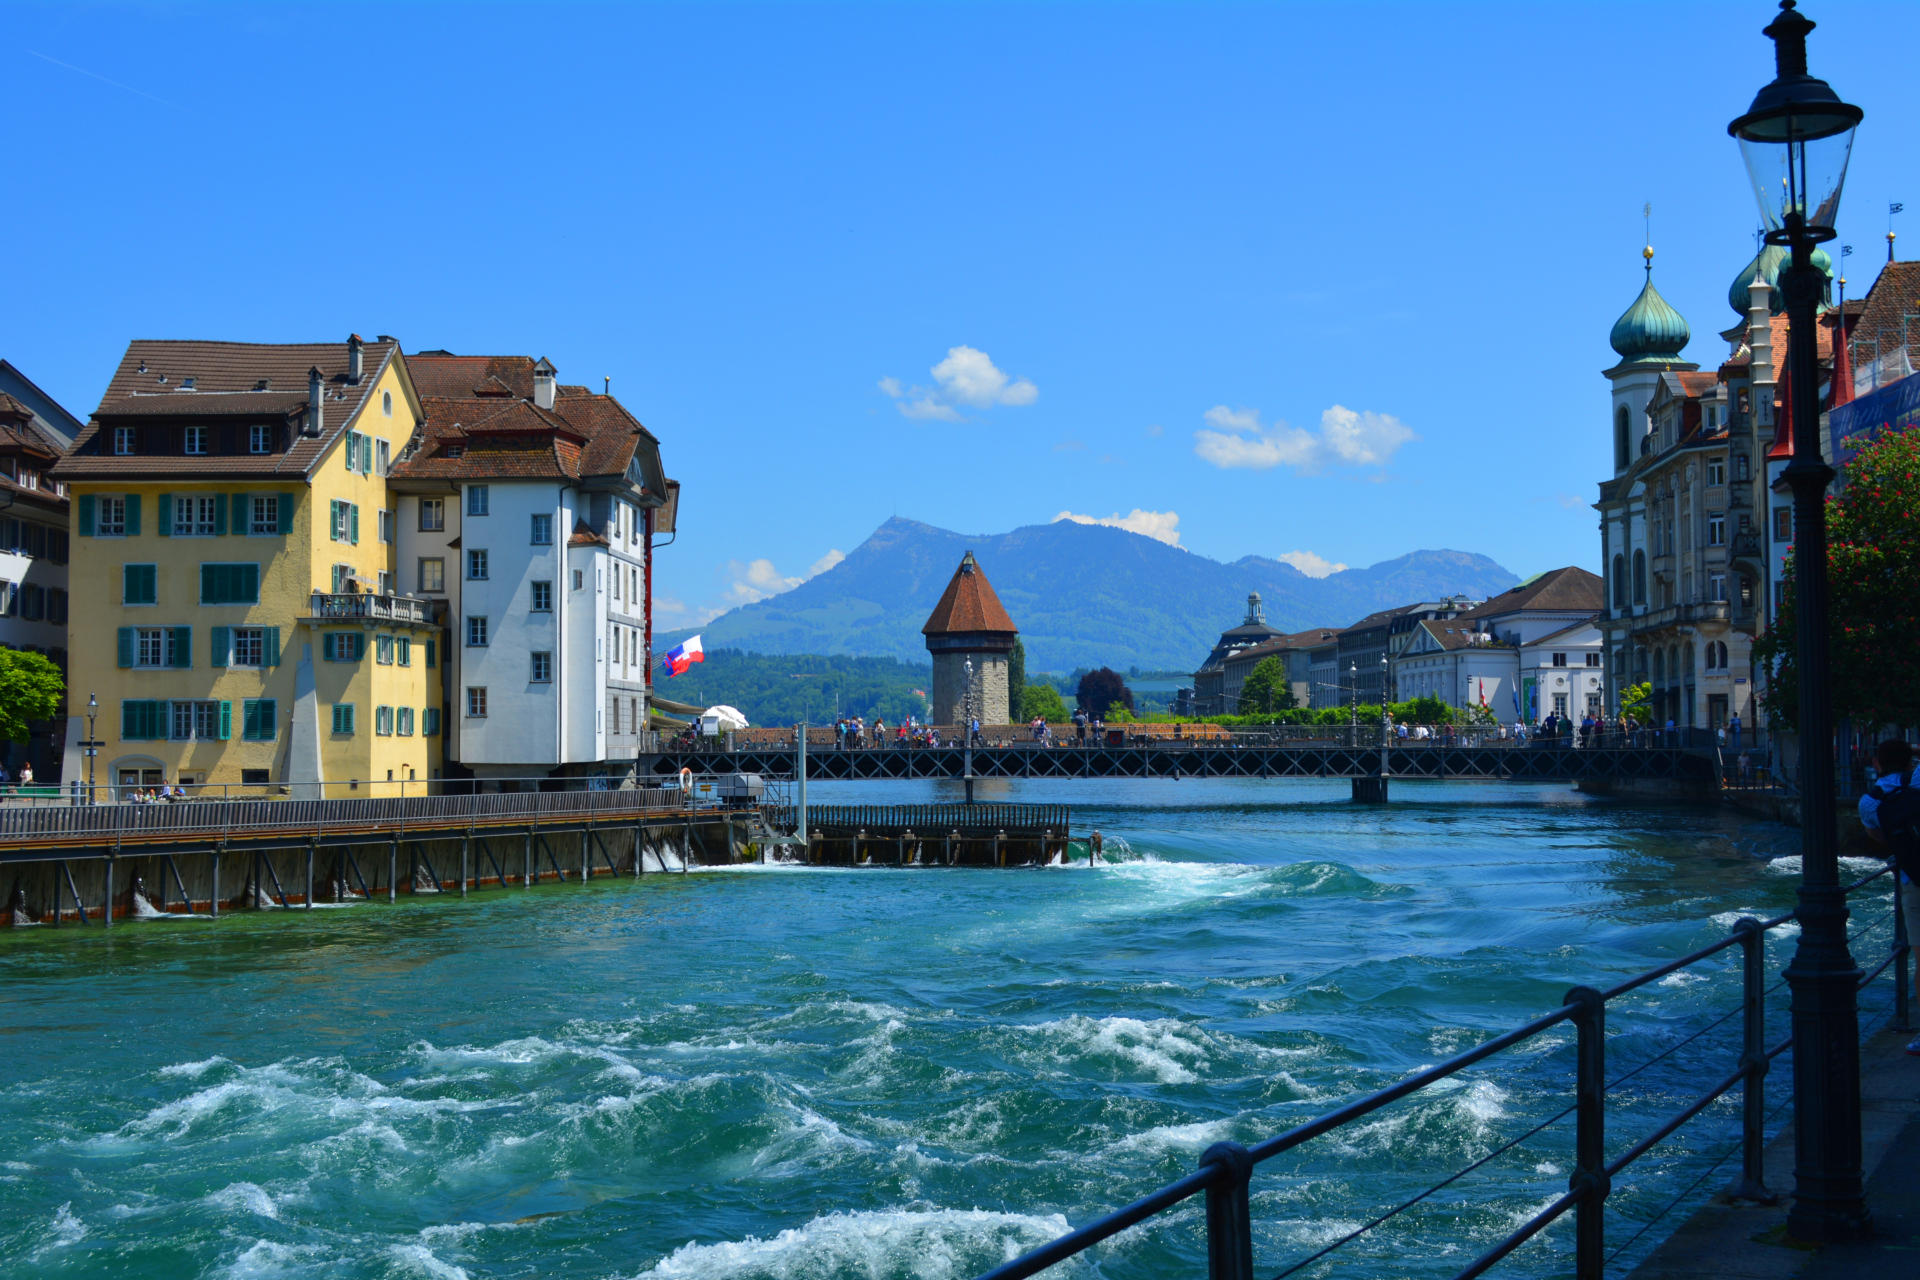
{"x": 741, "y": 790}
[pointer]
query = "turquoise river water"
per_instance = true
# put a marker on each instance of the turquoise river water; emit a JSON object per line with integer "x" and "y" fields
{"x": 790, "y": 1073}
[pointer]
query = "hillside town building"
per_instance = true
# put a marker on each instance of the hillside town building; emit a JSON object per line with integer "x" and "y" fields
{"x": 970, "y": 636}
{"x": 1211, "y": 697}
{"x": 527, "y": 510}
{"x": 1295, "y": 653}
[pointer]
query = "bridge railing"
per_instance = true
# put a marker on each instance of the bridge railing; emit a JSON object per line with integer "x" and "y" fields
{"x": 210, "y": 813}
{"x": 1198, "y": 736}
{"x": 1225, "y": 1171}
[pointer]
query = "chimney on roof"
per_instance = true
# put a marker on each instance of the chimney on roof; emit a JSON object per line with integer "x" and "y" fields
{"x": 355, "y": 349}
{"x": 544, "y": 375}
{"x": 316, "y": 404}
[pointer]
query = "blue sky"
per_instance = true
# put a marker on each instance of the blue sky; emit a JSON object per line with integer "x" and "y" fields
{"x": 1327, "y": 279}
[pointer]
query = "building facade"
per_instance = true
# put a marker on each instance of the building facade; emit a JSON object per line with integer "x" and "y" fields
{"x": 1530, "y": 652}
{"x": 35, "y": 431}
{"x": 1211, "y": 697}
{"x": 1294, "y": 651}
{"x": 969, "y": 635}
{"x": 232, "y": 511}
{"x": 528, "y": 509}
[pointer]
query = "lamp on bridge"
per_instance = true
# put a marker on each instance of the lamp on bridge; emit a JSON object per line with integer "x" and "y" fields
{"x": 1796, "y": 139}
{"x": 92, "y": 744}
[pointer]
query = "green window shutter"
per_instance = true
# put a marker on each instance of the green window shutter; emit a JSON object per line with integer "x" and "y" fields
{"x": 403, "y": 651}
{"x": 129, "y": 730}
{"x": 126, "y": 648}
{"x": 226, "y": 719}
{"x": 431, "y": 654}
{"x": 352, "y": 453}
{"x": 326, "y": 646}
{"x": 270, "y": 644}
{"x": 250, "y": 584}
{"x": 366, "y": 457}
{"x": 359, "y": 646}
{"x": 209, "y": 583}
{"x": 222, "y": 645}
{"x": 284, "y": 501}
{"x": 86, "y": 515}
{"x": 243, "y": 513}
{"x": 166, "y": 516}
{"x": 430, "y": 721}
{"x": 353, "y": 524}
{"x": 182, "y": 647}
{"x": 220, "y": 518}
{"x": 333, "y": 520}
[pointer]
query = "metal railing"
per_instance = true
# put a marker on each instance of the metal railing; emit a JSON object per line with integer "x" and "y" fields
{"x": 341, "y": 606}
{"x": 1364, "y": 734}
{"x": 1225, "y": 1173}
{"x": 233, "y": 810}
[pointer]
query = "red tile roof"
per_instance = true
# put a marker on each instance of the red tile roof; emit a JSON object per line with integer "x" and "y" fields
{"x": 969, "y": 605}
{"x": 1568, "y": 590}
{"x": 482, "y": 423}
{"x": 261, "y": 380}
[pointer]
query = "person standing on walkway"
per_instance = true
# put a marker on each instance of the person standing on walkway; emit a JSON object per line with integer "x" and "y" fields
{"x": 1893, "y": 760}
{"x": 1733, "y": 730}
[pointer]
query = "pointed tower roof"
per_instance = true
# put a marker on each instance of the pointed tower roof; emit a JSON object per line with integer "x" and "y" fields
{"x": 1651, "y": 331}
{"x": 969, "y": 605}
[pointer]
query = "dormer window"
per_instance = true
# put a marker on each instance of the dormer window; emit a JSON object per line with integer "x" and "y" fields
{"x": 196, "y": 440}
{"x": 259, "y": 439}
{"x": 123, "y": 441}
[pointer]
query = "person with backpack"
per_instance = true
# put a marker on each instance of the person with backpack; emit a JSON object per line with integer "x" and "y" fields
{"x": 1890, "y": 811}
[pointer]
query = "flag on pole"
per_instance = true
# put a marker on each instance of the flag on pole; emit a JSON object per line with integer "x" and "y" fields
{"x": 683, "y": 655}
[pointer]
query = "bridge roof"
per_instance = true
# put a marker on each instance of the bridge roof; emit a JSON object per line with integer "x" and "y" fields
{"x": 969, "y": 605}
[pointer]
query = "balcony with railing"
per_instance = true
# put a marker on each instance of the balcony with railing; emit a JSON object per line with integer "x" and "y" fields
{"x": 355, "y": 606}
{"x": 1680, "y": 615}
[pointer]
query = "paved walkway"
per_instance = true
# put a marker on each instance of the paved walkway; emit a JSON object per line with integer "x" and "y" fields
{"x": 1734, "y": 1240}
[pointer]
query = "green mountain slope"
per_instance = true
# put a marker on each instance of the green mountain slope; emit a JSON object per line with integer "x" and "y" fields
{"x": 1082, "y": 595}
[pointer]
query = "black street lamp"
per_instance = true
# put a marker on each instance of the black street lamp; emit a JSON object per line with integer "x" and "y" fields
{"x": 1796, "y": 140}
{"x": 92, "y": 744}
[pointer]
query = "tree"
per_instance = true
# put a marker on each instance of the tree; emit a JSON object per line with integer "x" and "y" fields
{"x": 1016, "y": 679}
{"x": 1042, "y": 700}
{"x": 1099, "y": 690}
{"x": 1873, "y": 611}
{"x": 1636, "y": 702}
{"x": 1267, "y": 688}
{"x": 1425, "y": 709}
{"x": 31, "y": 688}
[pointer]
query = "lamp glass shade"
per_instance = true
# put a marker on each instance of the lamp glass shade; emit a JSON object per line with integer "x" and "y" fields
{"x": 1798, "y": 170}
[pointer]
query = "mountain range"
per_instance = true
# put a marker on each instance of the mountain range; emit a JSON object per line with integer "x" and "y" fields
{"x": 1082, "y": 595}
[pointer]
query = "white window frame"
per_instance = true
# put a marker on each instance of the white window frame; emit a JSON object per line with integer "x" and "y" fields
{"x": 124, "y": 440}
{"x": 476, "y": 564}
{"x": 535, "y": 590}
{"x": 259, "y": 438}
{"x": 440, "y": 586}
{"x": 193, "y": 441}
{"x": 247, "y": 647}
{"x": 201, "y": 511}
{"x": 267, "y": 505}
{"x": 385, "y": 521}
{"x": 476, "y": 702}
{"x": 476, "y": 631}
{"x": 382, "y": 456}
{"x": 438, "y": 506}
{"x": 1716, "y": 529}
{"x": 110, "y": 517}
{"x": 193, "y": 720}
{"x": 479, "y": 500}
{"x": 540, "y": 666}
{"x": 152, "y": 647}
{"x": 540, "y": 533}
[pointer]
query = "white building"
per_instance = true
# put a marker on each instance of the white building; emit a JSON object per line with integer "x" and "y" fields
{"x": 1530, "y": 652}
{"x": 530, "y": 509}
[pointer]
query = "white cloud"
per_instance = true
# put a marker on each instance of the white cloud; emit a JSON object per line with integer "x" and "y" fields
{"x": 671, "y": 614}
{"x": 758, "y": 579}
{"x": 1161, "y": 526}
{"x": 1156, "y": 429}
{"x": 1310, "y": 563}
{"x": 1235, "y": 438}
{"x": 967, "y": 377}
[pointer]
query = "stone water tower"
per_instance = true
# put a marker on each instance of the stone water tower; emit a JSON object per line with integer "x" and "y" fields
{"x": 969, "y": 623}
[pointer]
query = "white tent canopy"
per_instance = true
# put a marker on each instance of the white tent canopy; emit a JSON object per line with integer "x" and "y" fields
{"x": 720, "y": 719}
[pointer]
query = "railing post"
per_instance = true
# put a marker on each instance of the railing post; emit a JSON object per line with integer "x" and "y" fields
{"x": 1229, "y": 1217}
{"x": 1902, "y": 989}
{"x": 1589, "y": 1179}
{"x": 1753, "y": 1061}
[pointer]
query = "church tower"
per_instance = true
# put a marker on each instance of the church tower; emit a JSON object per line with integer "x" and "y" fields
{"x": 969, "y": 625}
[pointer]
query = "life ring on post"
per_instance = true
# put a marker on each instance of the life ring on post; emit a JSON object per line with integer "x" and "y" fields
{"x": 686, "y": 781}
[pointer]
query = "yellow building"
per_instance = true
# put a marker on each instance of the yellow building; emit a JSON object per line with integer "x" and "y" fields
{"x": 234, "y": 611}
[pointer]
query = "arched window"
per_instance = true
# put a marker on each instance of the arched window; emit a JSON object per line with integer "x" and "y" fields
{"x": 1639, "y": 577}
{"x": 386, "y": 403}
{"x": 1723, "y": 655}
{"x": 1622, "y": 440}
{"x": 1712, "y": 654}
{"x": 1620, "y": 582}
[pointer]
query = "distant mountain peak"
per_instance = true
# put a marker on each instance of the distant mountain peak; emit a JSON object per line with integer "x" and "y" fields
{"x": 1080, "y": 594}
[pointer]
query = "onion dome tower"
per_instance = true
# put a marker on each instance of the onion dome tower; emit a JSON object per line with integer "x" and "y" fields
{"x": 969, "y": 625}
{"x": 1767, "y": 264}
{"x": 1649, "y": 338}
